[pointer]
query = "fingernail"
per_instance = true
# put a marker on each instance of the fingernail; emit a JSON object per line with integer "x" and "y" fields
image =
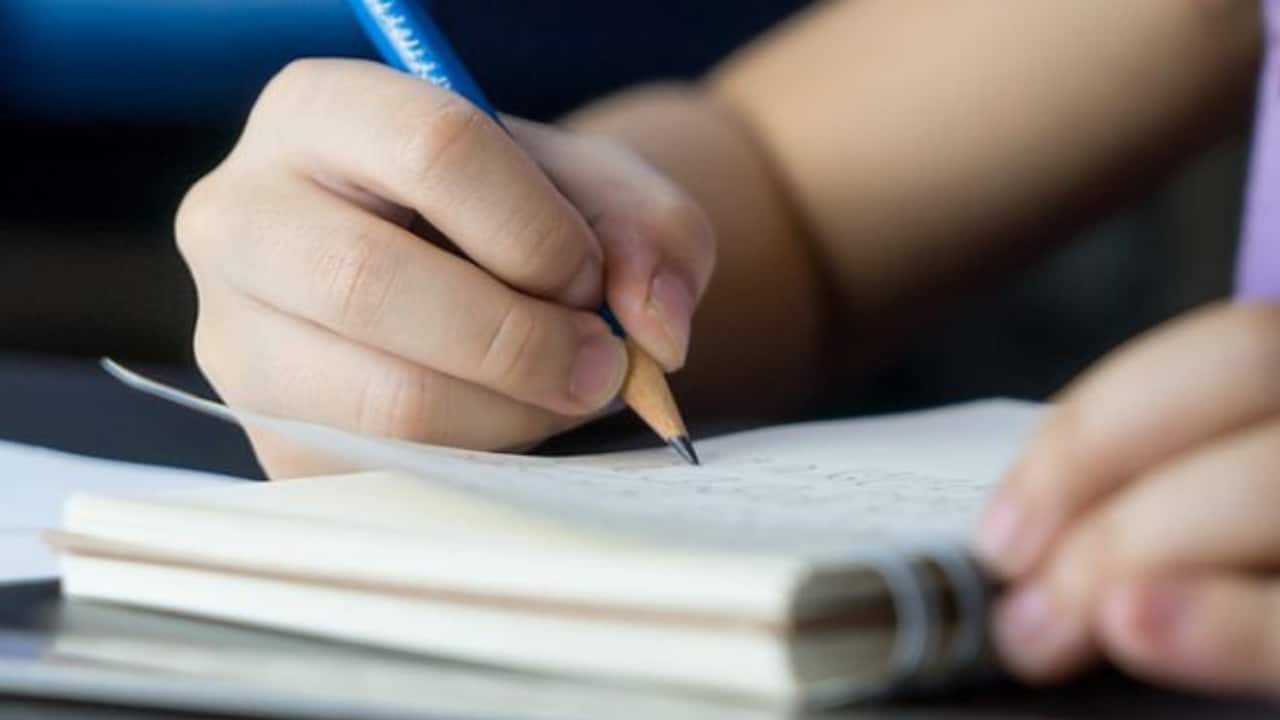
{"x": 671, "y": 302}
{"x": 1031, "y": 633}
{"x": 1147, "y": 616}
{"x": 1161, "y": 610}
{"x": 598, "y": 370}
{"x": 585, "y": 287}
{"x": 1002, "y": 535}
{"x": 1013, "y": 533}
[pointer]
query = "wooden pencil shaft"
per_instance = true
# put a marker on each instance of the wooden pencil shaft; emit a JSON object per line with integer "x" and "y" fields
{"x": 646, "y": 392}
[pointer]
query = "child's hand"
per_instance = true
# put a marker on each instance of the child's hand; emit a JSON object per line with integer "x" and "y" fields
{"x": 322, "y": 299}
{"x": 1143, "y": 522}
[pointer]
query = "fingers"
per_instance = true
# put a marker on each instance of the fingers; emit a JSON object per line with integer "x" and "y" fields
{"x": 1192, "y": 381}
{"x": 1214, "y": 507}
{"x": 312, "y": 222}
{"x": 428, "y": 149}
{"x": 659, "y": 245}
{"x": 1210, "y": 631}
{"x": 1037, "y": 639}
{"x": 321, "y": 259}
{"x": 425, "y": 149}
{"x": 1209, "y": 508}
{"x": 248, "y": 352}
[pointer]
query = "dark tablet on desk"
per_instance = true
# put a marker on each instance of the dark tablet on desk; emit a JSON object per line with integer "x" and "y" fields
{"x": 106, "y": 655}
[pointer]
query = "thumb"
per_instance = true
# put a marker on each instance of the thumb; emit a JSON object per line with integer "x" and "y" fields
{"x": 658, "y": 244}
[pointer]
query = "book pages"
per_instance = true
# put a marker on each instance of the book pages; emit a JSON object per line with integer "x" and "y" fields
{"x": 819, "y": 490}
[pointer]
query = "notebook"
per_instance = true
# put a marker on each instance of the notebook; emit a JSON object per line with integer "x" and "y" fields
{"x": 35, "y": 482}
{"x": 803, "y": 564}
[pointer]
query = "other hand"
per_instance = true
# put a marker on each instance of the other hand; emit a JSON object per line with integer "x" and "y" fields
{"x": 1143, "y": 522}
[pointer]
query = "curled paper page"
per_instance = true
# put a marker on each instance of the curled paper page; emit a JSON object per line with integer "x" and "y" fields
{"x": 825, "y": 489}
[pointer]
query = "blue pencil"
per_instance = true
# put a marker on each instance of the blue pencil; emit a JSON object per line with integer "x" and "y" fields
{"x": 409, "y": 40}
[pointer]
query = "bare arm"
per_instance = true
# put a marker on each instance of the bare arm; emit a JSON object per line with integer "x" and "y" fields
{"x": 874, "y": 158}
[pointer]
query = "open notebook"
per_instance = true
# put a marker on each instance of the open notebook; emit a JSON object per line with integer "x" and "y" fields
{"x": 806, "y": 563}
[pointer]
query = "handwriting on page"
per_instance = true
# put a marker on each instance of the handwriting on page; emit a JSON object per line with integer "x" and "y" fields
{"x": 800, "y": 488}
{"x": 804, "y": 488}
{"x": 751, "y": 501}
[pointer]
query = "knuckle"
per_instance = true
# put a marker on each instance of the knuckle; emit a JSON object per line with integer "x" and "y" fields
{"x": 395, "y": 402}
{"x": 676, "y": 216}
{"x": 288, "y": 94}
{"x": 198, "y": 217}
{"x": 682, "y": 223}
{"x": 292, "y": 81}
{"x": 542, "y": 244}
{"x": 358, "y": 283}
{"x": 508, "y": 351}
{"x": 1094, "y": 552}
{"x": 449, "y": 123}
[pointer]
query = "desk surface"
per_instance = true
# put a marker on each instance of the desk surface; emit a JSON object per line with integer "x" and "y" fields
{"x": 71, "y": 405}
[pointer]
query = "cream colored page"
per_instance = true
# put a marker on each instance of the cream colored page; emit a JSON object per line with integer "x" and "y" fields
{"x": 813, "y": 488}
{"x": 35, "y": 482}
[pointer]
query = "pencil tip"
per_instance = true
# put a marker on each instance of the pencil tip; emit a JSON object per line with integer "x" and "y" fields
{"x": 684, "y": 448}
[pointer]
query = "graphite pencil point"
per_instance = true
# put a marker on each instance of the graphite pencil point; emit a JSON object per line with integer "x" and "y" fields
{"x": 684, "y": 448}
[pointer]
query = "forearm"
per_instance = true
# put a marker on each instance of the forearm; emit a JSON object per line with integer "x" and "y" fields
{"x": 931, "y": 145}
{"x": 875, "y": 158}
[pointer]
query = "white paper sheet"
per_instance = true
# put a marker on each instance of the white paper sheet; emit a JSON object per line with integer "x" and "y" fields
{"x": 35, "y": 482}
{"x": 809, "y": 488}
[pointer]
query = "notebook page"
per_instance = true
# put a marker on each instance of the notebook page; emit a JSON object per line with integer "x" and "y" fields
{"x": 914, "y": 479}
{"x": 814, "y": 489}
{"x": 35, "y": 482}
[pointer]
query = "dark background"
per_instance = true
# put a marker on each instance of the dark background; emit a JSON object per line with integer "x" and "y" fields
{"x": 109, "y": 109}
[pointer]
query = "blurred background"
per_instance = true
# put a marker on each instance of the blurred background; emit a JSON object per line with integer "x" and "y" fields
{"x": 109, "y": 109}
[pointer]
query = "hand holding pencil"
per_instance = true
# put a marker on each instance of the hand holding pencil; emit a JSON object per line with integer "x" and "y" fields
{"x": 408, "y": 39}
{"x": 322, "y": 298}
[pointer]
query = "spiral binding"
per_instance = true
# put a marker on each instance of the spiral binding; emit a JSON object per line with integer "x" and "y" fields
{"x": 972, "y": 595}
{"x": 923, "y": 656}
{"x": 915, "y": 610}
